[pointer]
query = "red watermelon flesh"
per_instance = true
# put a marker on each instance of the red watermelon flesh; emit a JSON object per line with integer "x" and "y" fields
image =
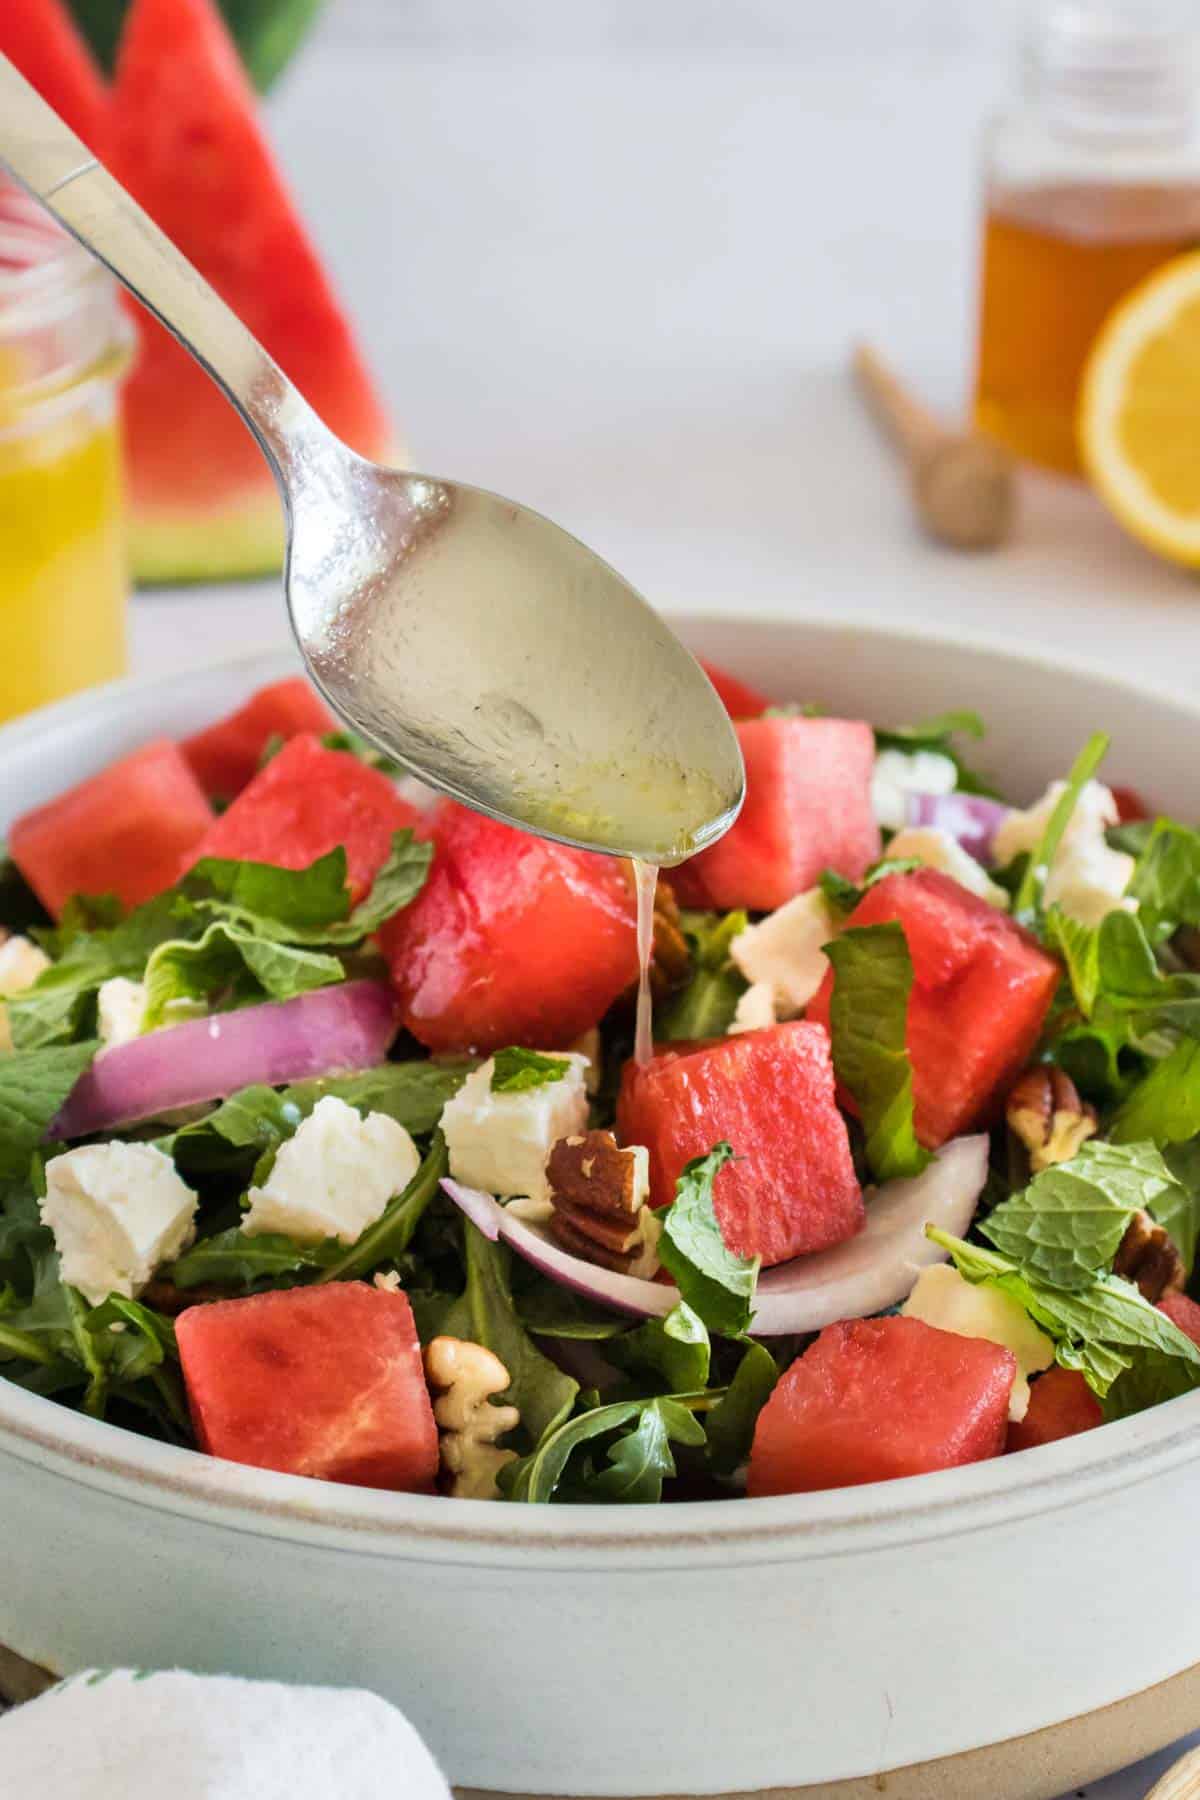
{"x": 808, "y": 808}
{"x": 981, "y": 990}
{"x": 123, "y": 831}
{"x": 770, "y": 1094}
{"x": 739, "y": 699}
{"x": 1183, "y": 1312}
{"x": 321, "y": 1381}
{"x": 184, "y": 137}
{"x": 1061, "y": 1404}
{"x": 874, "y": 1399}
{"x": 512, "y": 940}
{"x": 225, "y": 757}
{"x": 40, "y": 37}
{"x": 303, "y": 804}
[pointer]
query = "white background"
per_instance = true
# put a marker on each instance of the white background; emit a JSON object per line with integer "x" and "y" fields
{"x": 611, "y": 257}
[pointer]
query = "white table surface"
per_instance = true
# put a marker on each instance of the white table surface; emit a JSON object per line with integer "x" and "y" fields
{"x": 623, "y": 289}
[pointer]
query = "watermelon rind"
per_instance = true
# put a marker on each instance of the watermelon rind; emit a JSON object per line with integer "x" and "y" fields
{"x": 267, "y": 32}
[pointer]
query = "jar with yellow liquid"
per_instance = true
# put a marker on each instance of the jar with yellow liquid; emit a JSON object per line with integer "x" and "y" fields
{"x": 64, "y": 343}
{"x": 1092, "y": 182}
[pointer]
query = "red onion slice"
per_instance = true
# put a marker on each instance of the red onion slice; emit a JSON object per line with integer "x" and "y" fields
{"x": 853, "y": 1280}
{"x": 970, "y": 818}
{"x": 330, "y": 1031}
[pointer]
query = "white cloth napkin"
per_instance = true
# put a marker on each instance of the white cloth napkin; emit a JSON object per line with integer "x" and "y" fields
{"x": 122, "y": 1734}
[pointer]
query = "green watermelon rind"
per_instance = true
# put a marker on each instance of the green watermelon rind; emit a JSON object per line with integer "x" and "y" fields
{"x": 267, "y": 32}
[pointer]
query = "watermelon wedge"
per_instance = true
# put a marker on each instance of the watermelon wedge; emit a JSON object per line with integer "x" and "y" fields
{"x": 184, "y": 137}
{"x": 40, "y": 37}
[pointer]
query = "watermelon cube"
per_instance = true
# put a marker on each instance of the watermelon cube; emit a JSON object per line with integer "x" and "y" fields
{"x": 1061, "y": 1404}
{"x": 739, "y": 699}
{"x": 124, "y": 831}
{"x": 322, "y": 1381}
{"x": 770, "y": 1094}
{"x": 874, "y": 1399}
{"x": 981, "y": 990}
{"x": 225, "y": 756}
{"x": 1183, "y": 1312}
{"x": 304, "y": 803}
{"x": 808, "y": 808}
{"x": 512, "y": 940}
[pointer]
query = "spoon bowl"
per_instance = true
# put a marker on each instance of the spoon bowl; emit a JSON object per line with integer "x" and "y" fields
{"x": 482, "y": 647}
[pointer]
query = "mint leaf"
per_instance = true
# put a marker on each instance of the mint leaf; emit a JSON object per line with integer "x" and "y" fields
{"x": 56, "y": 1007}
{"x": 1028, "y": 902}
{"x": 635, "y": 1473}
{"x": 229, "y": 962}
{"x": 33, "y": 1086}
{"x": 1165, "y": 1104}
{"x": 845, "y": 895}
{"x": 344, "y": 739}
{"x": 868, "y": 1016}
{"x": 716, "y": 1284}
{"x": 675, "y": 1348}
{"x": 515, "y": 1070}
{"x": 730, "y": 1425}
{"x": 1099, "y": 1330}
{"x": 705, "y": 1006}
{"x": 1166, "y": 881}
{"x": 1079, "y": 947}
{"x": 309, "y": 906}
{"x": 398, "y": 883}
{"x": 938, "y": 734}
{"x": 1153, "y": 1377}
{"x": 1178, "y": 1212}
{"x": 1067, "y": 1225}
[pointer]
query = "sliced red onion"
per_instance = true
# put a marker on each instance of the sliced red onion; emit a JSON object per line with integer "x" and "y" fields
{"x": 330, "y": 1031}
{"x": 479, "y": 1207}
{"x": 853, "y": 1280}
{"x": 970, "y": 818}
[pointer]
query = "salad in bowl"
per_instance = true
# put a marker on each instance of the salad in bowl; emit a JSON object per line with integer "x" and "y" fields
{"x": 324, "y": 1147}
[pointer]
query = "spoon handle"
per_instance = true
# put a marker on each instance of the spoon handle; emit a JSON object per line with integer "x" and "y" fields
{"x": 48, "y": 160}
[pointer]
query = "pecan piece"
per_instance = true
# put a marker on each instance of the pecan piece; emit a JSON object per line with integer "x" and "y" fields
{"x": 1147, "y": 1256}
{"x": 671, "y": 959}
{"x": 598, "y": 1191}
{"x": 1045, "y": 1112}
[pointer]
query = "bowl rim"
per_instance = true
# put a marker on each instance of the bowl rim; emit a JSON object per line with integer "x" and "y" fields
{"x": 834, "y": 1522}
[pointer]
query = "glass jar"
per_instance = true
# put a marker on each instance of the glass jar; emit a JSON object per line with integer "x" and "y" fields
{"x": 64, "y": 343}
{"x": 1092, "y": 182}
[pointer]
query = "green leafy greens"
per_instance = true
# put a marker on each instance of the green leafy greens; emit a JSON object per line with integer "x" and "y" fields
{"x": 716, "y": 1284}
{"x": 705, "y": 1006}
{"x": 515, "y": 1070}
{"x": 868, "y": 1013}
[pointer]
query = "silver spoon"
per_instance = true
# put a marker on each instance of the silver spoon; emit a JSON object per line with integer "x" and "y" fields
{"x": 484, "y": 648}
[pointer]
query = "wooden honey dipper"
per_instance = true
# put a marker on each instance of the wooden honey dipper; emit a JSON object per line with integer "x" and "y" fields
{"x": 1181, "y": 1781}
{"x": 963, "y": 486}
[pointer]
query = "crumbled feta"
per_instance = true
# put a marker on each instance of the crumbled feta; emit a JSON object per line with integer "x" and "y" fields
{"x": 21, "y": 962}
{"x": 1087, "y": 878}
{"x": 944, "y": 1298}
{"x": 120, "y": 1007}
{"x": 334, "y": 1176}
{"x": 899, "y": 773}
{"x": 117, "y": 1211}
{"x": 935, "y": 849}
{"x": 783, "y": 952}
{"x": 500, "y": 1142}
{"x": 755, "y": 1011}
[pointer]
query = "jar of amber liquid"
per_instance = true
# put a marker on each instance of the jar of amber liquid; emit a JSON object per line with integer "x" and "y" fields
{"x": 64, "y": 343}
{"x": 1092, "y": 182}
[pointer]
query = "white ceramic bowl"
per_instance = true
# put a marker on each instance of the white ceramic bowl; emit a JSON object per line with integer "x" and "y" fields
{"x": 786, "y": 1643}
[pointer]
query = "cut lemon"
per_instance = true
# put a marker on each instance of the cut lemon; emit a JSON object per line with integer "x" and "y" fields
{"x": 1139, "y": 411}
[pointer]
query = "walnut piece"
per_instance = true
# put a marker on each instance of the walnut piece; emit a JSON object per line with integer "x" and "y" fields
{"x": 598, "y": 1190}
{"x": 1148, "y": 1257}
{"x": 1045, "y": 1112}
{"x": 465, "y": 1377}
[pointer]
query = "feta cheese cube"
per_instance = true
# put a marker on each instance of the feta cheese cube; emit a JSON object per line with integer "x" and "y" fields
{"x": 21, "y": 962}
{"x": 944, "y": 1298}
{"x": 334, "y": 1176}
{"x": 899, "y": 773}
{"x": 1087, "y": 878}
{"x": 935, "y": 849}
{"x": 121, "y": 1006}
{"x": 755, "y": 1010}
{"x": 500, "y": 1142}
{"x": 783, "y": 953}
{"x": 117, "y": 1211}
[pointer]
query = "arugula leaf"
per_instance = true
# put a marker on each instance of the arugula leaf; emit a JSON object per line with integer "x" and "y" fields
{"x": 705, "y": 1006}
{"x": 33, "y": 1086}
{"x": 1132, "y": 837}
{"x": 1099, "y": 1330}
{"x": 938, "y": 734}
{"x": 1134, "y": 990}
{"x": 730, "y": 1425}
{"x": 391, "y": 1234}
{"x": 485, "y": 1314}
{"x": 1027, "y": 904}
{"x": 636, "y": 1472}
{"x": 1165, "y": 1104}
{"x": 675, "y": 1347}
{"x": 199, "y": 972}
{"x": 56, "y": 1007}
{"x": 549, "y": 1310}
{"x": 868, "y": 1016}
{"x": 235, "y": 1260}
{"x": 1067, "y": 1225}
{"x": 716, "y": 1284}
{"x": 515, "y": 1070}
{"x": 1166, "y": 881}
{"x": 1153, "y": 1378}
